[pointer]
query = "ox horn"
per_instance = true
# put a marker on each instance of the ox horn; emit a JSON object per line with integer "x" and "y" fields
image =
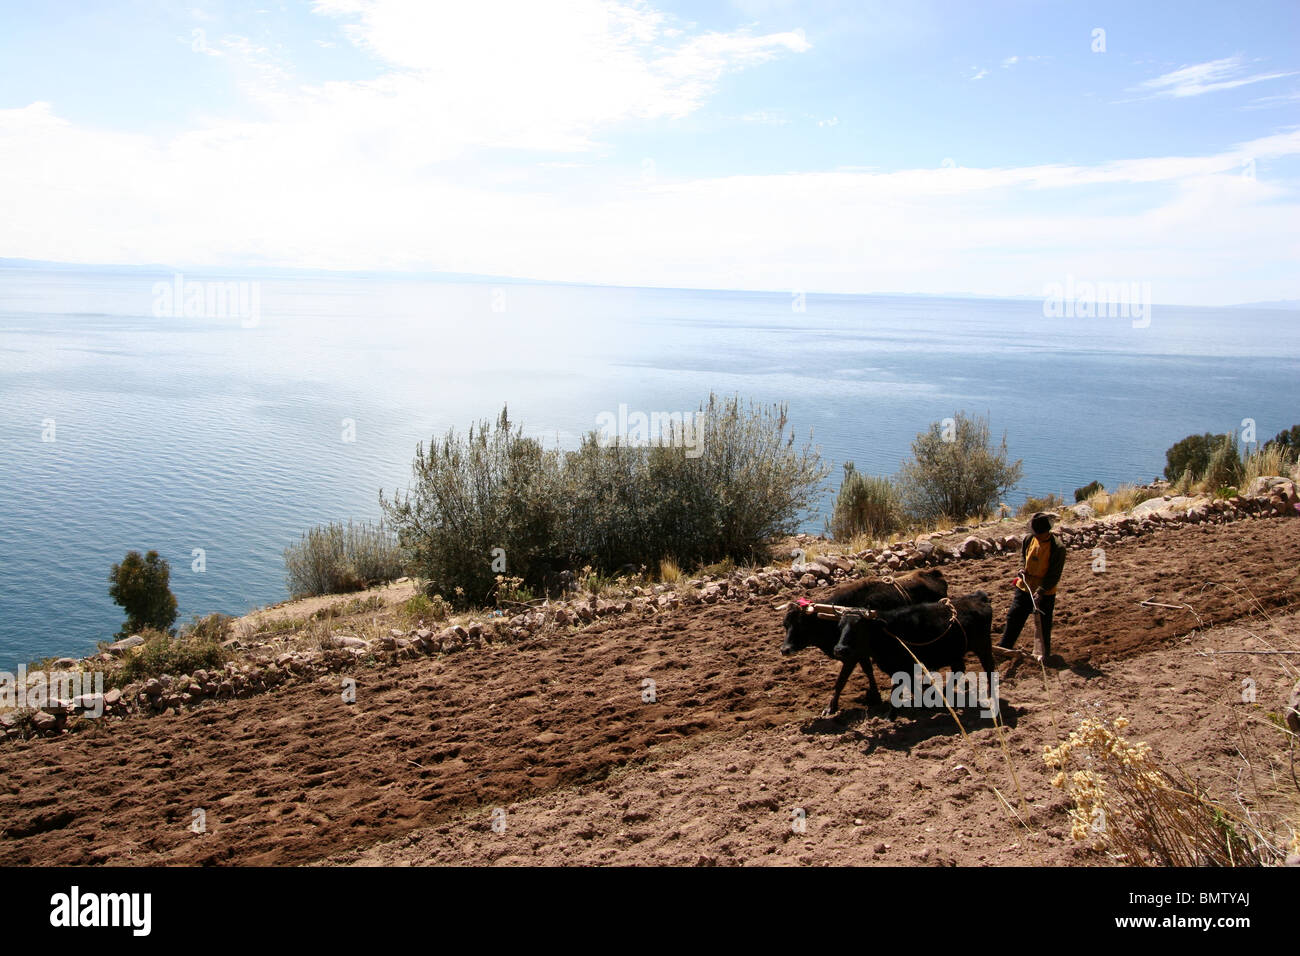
{"x": 781, "y": 607}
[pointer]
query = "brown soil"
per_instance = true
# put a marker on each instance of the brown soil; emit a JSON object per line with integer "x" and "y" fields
{"x": 556, "y": 733}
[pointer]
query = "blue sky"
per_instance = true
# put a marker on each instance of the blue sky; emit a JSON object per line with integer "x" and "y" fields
{"x": 987, "y": 148}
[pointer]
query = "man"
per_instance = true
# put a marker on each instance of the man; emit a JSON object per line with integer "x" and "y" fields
{"x": 1044, "y": 559}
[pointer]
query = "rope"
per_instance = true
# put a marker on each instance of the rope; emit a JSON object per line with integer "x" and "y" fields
{"x": 952, "y": 609}
{"x": 890, "y": 579}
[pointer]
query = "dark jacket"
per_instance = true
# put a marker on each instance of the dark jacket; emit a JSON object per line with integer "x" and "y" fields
{"x": 1055, "y": 561}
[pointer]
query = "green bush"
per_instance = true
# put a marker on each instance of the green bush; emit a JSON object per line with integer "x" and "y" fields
{"x": 163, "y": 654}
{"x": 865, "y": 505}
{"x": 956, "y": 473}
{"x": 1191, "y": 454}
{"x": 141, "y": 585}
{"x": 1287, "y": 442}
{"x": 1087, "y": 491}
{"x": 335, "y": 558}
{"x": 492, "y": 489}
{"x": 739, "y": 482}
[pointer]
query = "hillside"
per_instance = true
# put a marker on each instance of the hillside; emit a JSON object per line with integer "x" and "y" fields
{"x": 554, "y": 730}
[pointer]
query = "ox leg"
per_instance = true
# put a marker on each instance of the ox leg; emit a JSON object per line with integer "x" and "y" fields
{"x": 846, "y": 668}
{"x": 873, "y": 695}
{"x": 990, "y": 669}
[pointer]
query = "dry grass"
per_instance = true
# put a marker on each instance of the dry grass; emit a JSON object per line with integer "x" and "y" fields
{"x": 1123, "y": 498}
{"x": 1051, "y": 502}
{"x": 1266, "y": 462}
{"x": 669, "y": 572}
{"x": 1127, "y": 805}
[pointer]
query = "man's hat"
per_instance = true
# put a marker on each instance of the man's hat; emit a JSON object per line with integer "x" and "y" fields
{"x": 1041, "y": 523}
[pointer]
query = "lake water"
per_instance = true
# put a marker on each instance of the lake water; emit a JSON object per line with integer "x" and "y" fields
{"x": 178, "y": 433}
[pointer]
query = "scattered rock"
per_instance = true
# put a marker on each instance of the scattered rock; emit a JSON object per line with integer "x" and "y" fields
{"x": 125, "y": 644}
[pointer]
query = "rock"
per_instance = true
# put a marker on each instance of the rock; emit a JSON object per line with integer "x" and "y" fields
{"x": 153, "y": 687}
{"x": 125, "y": 644}
{"x": 44, "y": 722}
{"x": 807, "y": 580}
{"x": 972, "y": 547}
{"x": 347, "y": 640}
{"x": 1267, "y": 486}
{"x": 1153, "y": 506}
{"x": 1083, "y": 510}
{"x": 112, "y": 698}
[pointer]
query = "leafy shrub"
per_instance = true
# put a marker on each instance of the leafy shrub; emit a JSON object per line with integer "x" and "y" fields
{"x": 1192, "y": 454}
{"x": 335, "y": 558}
{"x": 471, "y": 495}
{"x": 1032, "y": 506}
{"x": 141, "y": 585}
{"x": 958, "y": 475}
{"x": 163, "y": 654}
{"x": 1087, "y": 491}
{"x": 865, "y": 505}
{"x": 736, "y": 484}
{"x": 1287, "y": 443}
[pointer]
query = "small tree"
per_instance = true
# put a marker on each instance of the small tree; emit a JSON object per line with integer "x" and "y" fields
{"x": 141, "y": 586}
{"x": 1191, "y": 454}
{"x": 1288, "y": 442}
{"x": 866, "y": 504}
{"x": 956, "y": 471}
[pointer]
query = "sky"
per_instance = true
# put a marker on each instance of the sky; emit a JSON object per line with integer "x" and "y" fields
{"x": 990, "y": 148}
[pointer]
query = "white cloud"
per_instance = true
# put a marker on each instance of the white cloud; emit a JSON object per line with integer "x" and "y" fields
{"x": 1010, "y": 62}
{"x": 517, "y": 73}
{"x": 1208, "y": 77}
{"x": 386, "y": 174}
{"x": 979, "y": 73}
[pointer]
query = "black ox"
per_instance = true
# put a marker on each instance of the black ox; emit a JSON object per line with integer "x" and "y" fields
{"x": 938, "y": 634}
{"x": 803, "y": 628}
